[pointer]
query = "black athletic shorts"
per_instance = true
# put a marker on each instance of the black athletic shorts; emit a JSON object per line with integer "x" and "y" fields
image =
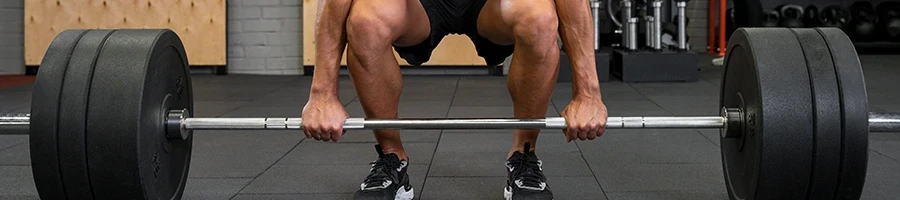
{"x": 454, "y": 17}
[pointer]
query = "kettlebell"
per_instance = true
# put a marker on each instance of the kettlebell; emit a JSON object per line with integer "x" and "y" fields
{"x": 772, "y": 18}
{"x": 811, "y": 17}
{"x": 889, "y": 20}
{"x": 791, "y": 16}
{"x": 863, "y": 23}
{"x": 834, "y": 16}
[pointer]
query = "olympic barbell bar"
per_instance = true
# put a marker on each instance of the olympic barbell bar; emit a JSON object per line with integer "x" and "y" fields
{"x": 878, "y": 122}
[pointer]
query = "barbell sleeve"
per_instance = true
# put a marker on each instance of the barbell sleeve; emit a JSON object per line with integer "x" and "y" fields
{"x": 884, "y": 122}
{"x": 14, "y": 123}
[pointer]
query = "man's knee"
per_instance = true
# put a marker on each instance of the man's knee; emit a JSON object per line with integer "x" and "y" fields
{"x": 367, "y": 29}
{"x": 367, "y": 25}
{"x": 538, "y": 27}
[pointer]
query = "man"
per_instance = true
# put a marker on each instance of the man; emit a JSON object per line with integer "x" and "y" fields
{"x": 498, "y": 28}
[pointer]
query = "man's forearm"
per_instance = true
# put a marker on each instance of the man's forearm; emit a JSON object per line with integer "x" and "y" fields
{"x": 330, "y": 36}
{"x": 576, "y": 29}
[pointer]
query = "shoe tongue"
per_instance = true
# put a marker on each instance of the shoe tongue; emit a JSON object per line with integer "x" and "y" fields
{"x": 379, "y": 150}
{"x": 390, "y": 156}
{"x": 517, "y": 154}
{"x": 527, "y": 147}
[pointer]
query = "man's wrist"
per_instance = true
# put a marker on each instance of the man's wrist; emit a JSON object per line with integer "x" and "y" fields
{"x": 322, "y": 91}
{"x": 586, "y": 88}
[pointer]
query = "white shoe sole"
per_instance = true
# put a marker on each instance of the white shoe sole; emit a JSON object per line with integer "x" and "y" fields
{"x": 507, "y": 193}
{"x": 402, "y": 194}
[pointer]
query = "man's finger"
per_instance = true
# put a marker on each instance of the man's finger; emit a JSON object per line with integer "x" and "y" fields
{"x": 595, "y": 130}
{"x": 592, "y": 135}
{"x": 317, "y": 132}
{"x": 337, "y": 133}
{"x": 306, "y": 132}
{"x": 326, "y": 135}
{"x": 582, "y": 135}
{"x": 574, "y": 131}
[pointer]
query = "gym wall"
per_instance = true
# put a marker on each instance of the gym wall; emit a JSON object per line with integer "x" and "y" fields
{"x": 265, "y": 37}
{"x": 12, "y": 32}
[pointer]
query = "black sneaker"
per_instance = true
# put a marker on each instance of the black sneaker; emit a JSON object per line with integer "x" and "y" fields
{"x": 525, "y": 180}
{"x": 387, "y": 179}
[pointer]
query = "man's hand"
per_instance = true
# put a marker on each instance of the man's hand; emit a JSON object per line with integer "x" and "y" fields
{"x": 323, "y": 118}
{"x": 585, "y": 118}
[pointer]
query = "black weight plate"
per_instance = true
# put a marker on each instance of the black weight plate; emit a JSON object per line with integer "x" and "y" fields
{"x": 766, "y": 76}
{"x": 44, "y": 114}
{"x": 854, "y": 107}
{"x": 139, "y": 76}
{"x": 72, "y": 113}
{"x": 826, "y": 98}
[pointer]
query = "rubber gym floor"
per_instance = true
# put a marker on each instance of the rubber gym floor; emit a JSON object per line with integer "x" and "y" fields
{"x": 463, "y": 164}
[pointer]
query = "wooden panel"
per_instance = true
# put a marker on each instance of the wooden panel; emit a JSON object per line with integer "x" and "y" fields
{"x": 453, "y": 49}
{"x": 199, "y": 23}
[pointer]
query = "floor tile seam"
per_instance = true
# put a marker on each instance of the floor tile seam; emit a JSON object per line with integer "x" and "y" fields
{"x": 437, "y": 144}
{"x": 13, "y": 146}
{"x": 698, "y": 191}
{"x": 707, "y": 138}
{"x": 267, "y": 169}
{"x": 885, "y": 155}
{"x": 271, "y": 91}
{"x": 284, "y": 193}
{"x": 502, "y": 176}
{"x": 591, "y": 169}
{"x": 619, "y": 164}
{"x": 504, "y": 151}
{"x": 440, "y": 135}
{"x": 219, "y": 177}
{"x": 341, "y": 164}
{"x": 356, "y": 142}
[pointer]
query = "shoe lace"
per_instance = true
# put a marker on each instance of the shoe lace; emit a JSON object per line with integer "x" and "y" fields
{"x": 527, "y": 169}
{"x": 380, "y": 172}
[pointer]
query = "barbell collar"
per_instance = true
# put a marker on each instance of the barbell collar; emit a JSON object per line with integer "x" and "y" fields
{"x": 734, "y": 123}
{"x": 175, "y": 125}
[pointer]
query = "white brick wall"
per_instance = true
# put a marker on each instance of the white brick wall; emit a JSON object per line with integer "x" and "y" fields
{"x": 12, "y": 51}
{"x": 265, "y": 37}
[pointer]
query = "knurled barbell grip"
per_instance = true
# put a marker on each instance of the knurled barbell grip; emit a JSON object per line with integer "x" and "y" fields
{"x": 360, "y": 123}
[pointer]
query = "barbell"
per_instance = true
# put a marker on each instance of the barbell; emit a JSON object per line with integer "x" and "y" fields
{"x": 111, "y": 116}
